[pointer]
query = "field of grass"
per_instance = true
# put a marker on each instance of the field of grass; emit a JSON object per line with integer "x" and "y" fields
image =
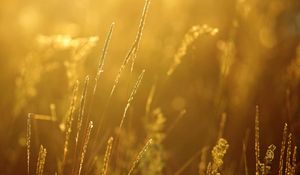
{"x": 153, "y": 87}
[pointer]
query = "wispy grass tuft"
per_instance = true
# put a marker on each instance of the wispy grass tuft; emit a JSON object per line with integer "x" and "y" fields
{"x": 188, "y": 39}
{"x": 130, "y": 99}
{"x": 41, "y": 161}
{"x": 69, "y": 122}
{"x": 131, "y": 53}
{"x": 80, "y": 116}
{"x": 294, "y": 161}
{"x": 28, "y": 140}
{"x": 107, "y": 156}
{"x": 282, "y": 150}
{"x": 288, "y": 155}
{"x": 257, "y": 147}
{"x": 217, "y": 153}
{"x": 82, "y": 108}
{"x": 139, "y": 156}
{"x": 85, "y": 145}
{"x": 267, "y": 166}
{"x": 134, "y": 48}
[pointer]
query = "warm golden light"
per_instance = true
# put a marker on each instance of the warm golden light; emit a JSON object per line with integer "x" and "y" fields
{"x": 151, "y": 87}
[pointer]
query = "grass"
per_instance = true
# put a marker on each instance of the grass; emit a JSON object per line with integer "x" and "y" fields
{"x": 101, "y": 138}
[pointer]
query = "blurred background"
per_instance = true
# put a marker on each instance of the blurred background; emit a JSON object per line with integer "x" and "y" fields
{"x": 225, "y": 58}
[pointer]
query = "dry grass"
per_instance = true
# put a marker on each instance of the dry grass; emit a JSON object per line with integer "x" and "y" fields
{"x": 139, "y": 156}
{"x": 107, "y": 133}
{"x": 41, "y": 161}
{"x": 107, "y": 156}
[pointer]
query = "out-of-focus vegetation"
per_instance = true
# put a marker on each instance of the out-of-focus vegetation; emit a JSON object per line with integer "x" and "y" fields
{"x": 177, "y": 87}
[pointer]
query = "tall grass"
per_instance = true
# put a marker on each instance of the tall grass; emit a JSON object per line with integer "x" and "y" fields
{"x": 83, "y": 140}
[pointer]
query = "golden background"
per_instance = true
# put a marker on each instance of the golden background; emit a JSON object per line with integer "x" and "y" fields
{"x": 226, "y": 57}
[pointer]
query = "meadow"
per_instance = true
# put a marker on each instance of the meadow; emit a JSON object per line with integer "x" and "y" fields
{"x": 150, "y": 87}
